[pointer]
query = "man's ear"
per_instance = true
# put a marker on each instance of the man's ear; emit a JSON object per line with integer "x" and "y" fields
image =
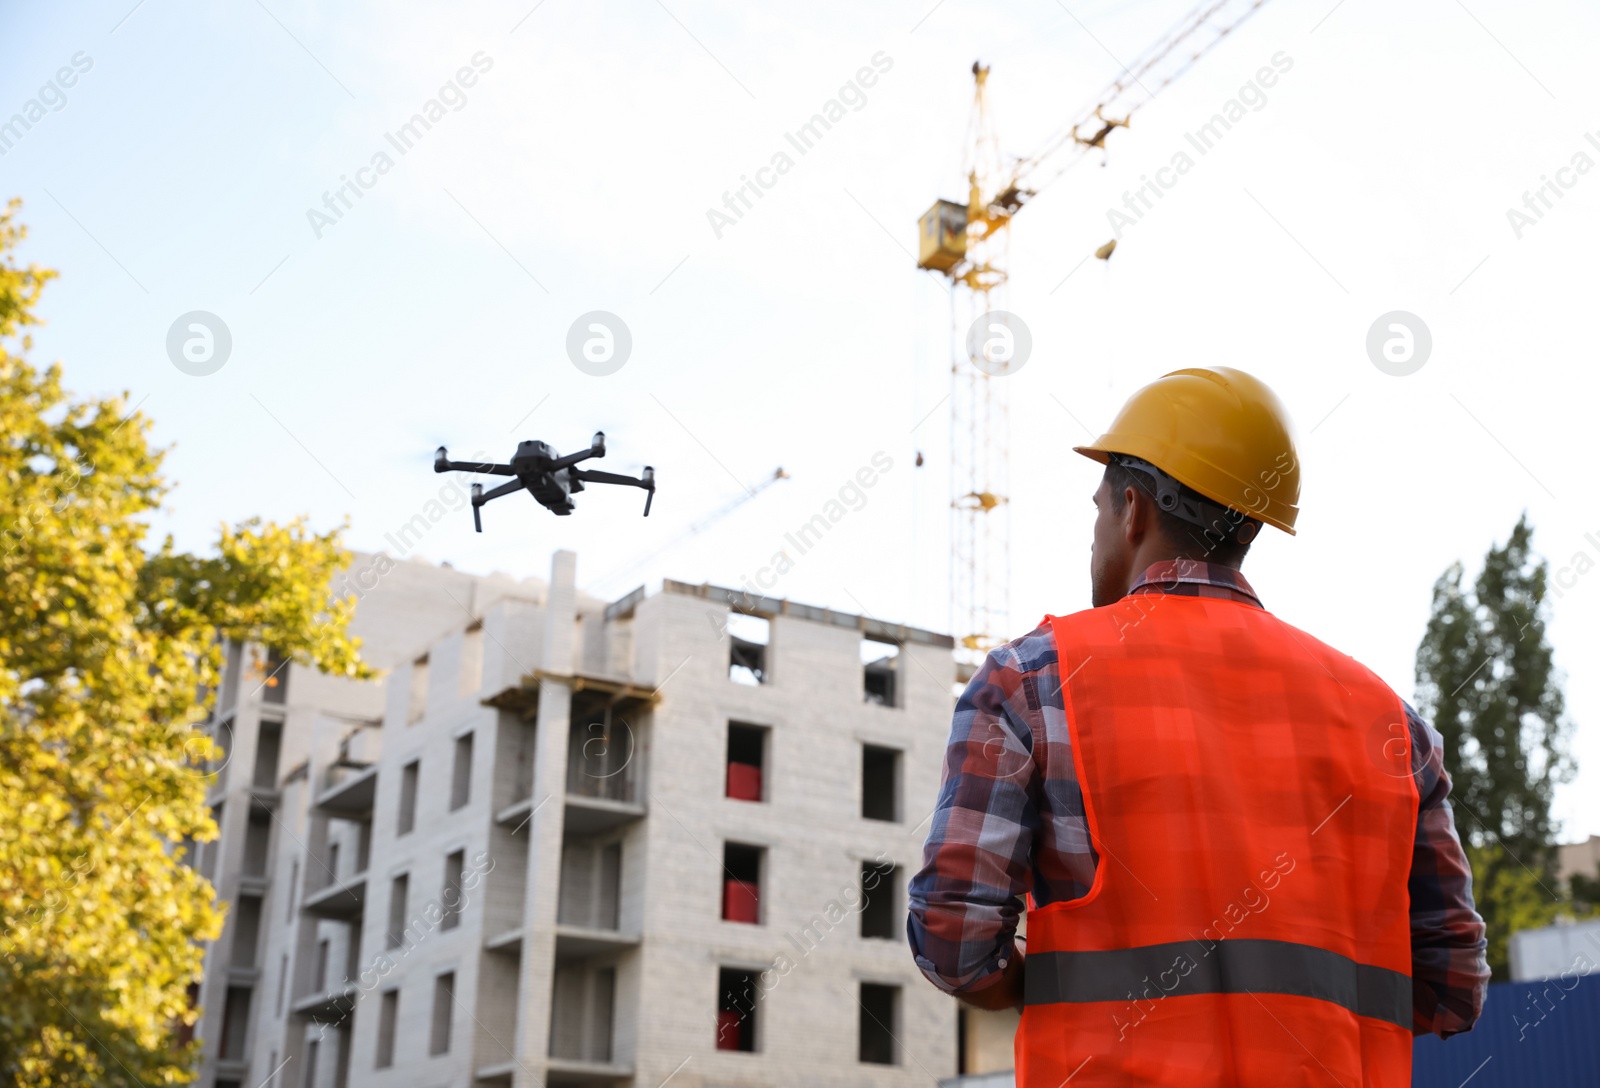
{"x": 1135, "y": 517}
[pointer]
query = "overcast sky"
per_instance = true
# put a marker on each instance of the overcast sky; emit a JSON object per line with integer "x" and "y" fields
{"x": 188, "y": 159}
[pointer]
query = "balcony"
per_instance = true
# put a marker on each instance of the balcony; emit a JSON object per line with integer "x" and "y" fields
{"x": 339, "y": 901}
{"x": 582, "y": 942}
{"x": 515, "y": 815}
{"x": 351, "y": 782}
{"x": 574, "y": 1072}
{"x": 264, "y": 799}
{"x": 592, "y": 815}
{"x": 255, "y": 884}
{"x": 349, "y": 792}
{"x": 330, "y": 1007}
{"x": 508, "y": 943}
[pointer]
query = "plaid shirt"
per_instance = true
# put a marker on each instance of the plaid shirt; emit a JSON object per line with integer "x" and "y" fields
{"x": 997, "y": 836}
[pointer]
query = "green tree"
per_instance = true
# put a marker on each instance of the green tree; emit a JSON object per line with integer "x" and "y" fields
{"x": 109, "y": 652}
{"x": 1486, "y": 678}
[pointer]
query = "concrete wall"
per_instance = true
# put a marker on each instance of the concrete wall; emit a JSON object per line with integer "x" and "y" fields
{"x": 815, "y": 840}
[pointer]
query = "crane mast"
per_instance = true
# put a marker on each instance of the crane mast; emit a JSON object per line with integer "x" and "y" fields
{"x": 980, "y": 472}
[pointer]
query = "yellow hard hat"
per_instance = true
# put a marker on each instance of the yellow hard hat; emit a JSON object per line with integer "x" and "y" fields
{"x": 1217, "y": 430}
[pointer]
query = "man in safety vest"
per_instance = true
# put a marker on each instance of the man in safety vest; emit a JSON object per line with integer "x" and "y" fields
{"x": 1236, "y": 842}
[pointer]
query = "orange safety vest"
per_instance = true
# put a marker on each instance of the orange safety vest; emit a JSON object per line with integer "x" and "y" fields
{"x": 1248, "y": 923}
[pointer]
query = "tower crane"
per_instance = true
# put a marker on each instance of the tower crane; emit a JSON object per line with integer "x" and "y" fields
{"x": 968, "y": 243}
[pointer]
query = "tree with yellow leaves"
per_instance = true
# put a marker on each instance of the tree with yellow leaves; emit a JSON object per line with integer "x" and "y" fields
{"x": 109, "y": 654}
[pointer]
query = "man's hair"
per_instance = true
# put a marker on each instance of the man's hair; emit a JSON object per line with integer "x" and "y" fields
{"x": 1189, "y": 540}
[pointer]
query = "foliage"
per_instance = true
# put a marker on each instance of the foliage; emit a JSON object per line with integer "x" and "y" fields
{"x": 1511, "y": 898}
{"x": 109, "y": 654}
{"x": 1486, "y": 677}
{"x": 1586, "y": 891}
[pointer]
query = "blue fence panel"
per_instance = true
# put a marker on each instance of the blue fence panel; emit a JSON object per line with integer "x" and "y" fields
{"x": 1531, "y": 1033}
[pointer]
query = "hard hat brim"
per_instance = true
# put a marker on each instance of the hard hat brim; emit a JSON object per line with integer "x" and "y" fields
{"x": 1106, "y": 445}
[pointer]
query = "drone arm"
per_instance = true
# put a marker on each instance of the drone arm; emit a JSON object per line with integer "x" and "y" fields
{"x": 588, "y": 474}
{"x": 442, "y": 463}
{"x": 647, "y": 481}
{"x": 597, "y": 448}
{"x": 510, "y": 488}
{"x": 571, "y": 459}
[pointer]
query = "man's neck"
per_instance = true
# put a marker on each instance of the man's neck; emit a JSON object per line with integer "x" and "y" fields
{"x": 1144, "y": 559}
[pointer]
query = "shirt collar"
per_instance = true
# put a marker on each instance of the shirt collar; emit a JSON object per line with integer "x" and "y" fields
{"x": 1170, "y": 574}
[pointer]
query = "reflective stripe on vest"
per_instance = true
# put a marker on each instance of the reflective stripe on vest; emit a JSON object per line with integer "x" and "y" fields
{"x": 1240, "y": 966}
{"x": 1248, "y": 923}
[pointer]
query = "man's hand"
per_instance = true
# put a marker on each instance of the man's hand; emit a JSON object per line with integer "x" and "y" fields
{"x": 1005, "y": 994}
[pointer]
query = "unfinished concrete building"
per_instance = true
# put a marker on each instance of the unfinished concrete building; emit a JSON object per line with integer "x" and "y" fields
{"x": 568, "y": 842}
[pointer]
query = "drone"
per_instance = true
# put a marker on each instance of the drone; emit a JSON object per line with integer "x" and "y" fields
{"x": 549, "y": 477}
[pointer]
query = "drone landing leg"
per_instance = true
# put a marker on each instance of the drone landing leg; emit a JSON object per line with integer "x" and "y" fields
{"x": 479, "y": 497}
